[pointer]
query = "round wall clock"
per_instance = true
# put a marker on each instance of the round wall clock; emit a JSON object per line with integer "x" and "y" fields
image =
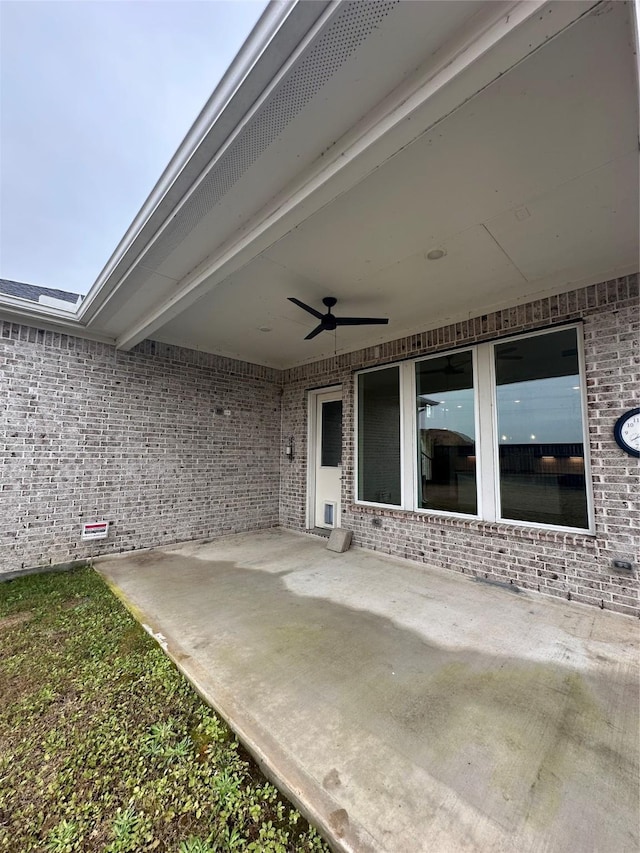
{"x": 627, "y": 432}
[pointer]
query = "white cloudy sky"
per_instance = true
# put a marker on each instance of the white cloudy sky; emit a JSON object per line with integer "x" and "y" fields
{"x": 95, "y": 98}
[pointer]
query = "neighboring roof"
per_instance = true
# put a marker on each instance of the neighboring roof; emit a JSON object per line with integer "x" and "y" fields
{"x": 33, "y": 292}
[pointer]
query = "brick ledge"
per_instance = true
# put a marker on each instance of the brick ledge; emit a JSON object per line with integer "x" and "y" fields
{"x": 534, "y": 534}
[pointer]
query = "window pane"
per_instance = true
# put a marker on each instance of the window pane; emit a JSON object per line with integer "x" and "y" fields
{"x": 379, "y": 436}
{"x": 540, "y": 432}
{"x": 446, "y": 434}
{"x": 331, "y": 445}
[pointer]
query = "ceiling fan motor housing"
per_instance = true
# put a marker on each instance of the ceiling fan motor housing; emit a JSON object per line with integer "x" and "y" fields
{"x": 329, "y": 321}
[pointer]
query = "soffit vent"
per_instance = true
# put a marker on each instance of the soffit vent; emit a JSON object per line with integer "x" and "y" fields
{"x": 352, "y": 26}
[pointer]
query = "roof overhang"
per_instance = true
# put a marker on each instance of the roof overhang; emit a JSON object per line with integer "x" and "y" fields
{"x": 307, "y": 118}
{"x": 62, "y": 320}
{"x": 274, "y": 37}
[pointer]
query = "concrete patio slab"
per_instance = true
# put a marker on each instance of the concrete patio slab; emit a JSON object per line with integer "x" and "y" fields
{"x": 405, "y": 708}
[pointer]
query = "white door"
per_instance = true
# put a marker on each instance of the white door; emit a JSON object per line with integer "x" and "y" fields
{"x": 326, "y": 457}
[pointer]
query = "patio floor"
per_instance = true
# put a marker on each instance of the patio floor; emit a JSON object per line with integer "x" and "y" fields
{"x": 405, "y": 708}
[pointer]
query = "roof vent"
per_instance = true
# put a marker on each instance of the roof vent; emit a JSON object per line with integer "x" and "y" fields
{"x": 344, "y": 35}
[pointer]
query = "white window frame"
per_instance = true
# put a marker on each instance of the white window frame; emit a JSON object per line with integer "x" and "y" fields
{"x": 585, "y": 433}
{"x": 404, "y": 476}
{"x": 428, "y": 510}
{"x": 486, "y": 437}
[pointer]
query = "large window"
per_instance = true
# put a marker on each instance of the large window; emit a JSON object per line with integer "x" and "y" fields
{"x": 494, "y": 432}
{"x": 379, "y": 475}
{"x": 445, "y": 422}
{"x": 540, "y": 430}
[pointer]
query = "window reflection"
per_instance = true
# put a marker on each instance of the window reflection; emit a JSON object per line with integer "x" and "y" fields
{"x": 540, "y": 430}
{"x": 446, "y": 434}
{"x": 331, "y": 444}
{"x": 379, "y": 478}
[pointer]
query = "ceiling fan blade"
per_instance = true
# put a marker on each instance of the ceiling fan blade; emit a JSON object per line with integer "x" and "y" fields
{"x": 449, "y": 369}
{"x": 361, "y": 321}
{"x": 315, "y": 332}
{"x": 304, "y": 307}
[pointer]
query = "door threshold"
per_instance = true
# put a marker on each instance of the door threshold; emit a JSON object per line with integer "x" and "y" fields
{"x": 319, "y": 531}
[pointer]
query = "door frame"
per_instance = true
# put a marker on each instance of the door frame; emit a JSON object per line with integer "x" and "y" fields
{"x": 312, "y": 438}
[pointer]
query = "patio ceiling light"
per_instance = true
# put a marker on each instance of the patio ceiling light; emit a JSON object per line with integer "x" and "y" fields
{"x": 436, "y": 254}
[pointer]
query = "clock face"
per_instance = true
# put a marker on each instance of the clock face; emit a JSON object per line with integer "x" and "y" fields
{"x": 627, "y": 432}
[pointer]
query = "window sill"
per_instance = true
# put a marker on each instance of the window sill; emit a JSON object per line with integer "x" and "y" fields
{"x": 503, "y": 528}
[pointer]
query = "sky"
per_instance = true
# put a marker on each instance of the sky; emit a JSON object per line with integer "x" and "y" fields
{"x": 95, "y": 98}
{"x": 539, "y": 411}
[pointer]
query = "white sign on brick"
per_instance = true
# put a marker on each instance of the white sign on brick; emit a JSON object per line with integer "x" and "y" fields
{"x": 95, "y": 530}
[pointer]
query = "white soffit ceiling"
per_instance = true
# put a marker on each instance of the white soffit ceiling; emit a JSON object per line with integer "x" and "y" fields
{"x": 256, "y": 298}
{"x": 530, "y": 186}
{"x": 348, "y": 85}
{"x": 587, "y": 224}
{"x": 340, "y": 79}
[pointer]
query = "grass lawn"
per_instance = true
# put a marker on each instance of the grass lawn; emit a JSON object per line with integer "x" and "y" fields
{"x": 104, "y": 746}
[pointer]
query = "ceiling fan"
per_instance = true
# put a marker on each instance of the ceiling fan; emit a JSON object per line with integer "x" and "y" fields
{"x": 504, "y": 354}
{"x": 451, "y": 369}
{"x": 448, "y": 370}
{"x": 329, "y": 322}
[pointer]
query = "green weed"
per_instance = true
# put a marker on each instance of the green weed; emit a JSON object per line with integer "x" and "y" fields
{"x": 105, "y": 747}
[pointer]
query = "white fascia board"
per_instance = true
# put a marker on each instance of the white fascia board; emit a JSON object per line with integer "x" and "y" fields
{"x": 24, "y": 312}
{"x": 281, "y": 26}
{"x": 63, "y": 304}
{"x": 492, "y": 44}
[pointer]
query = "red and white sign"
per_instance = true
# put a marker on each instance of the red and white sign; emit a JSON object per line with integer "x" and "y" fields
{"x": 96, "y": 530}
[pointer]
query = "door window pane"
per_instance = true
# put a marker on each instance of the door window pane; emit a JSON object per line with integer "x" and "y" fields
{"x": 446, "y": 434}
{"x": 331, "y": 445}
{"x": 379, "y": 436}
{"x": 540, "y": 430}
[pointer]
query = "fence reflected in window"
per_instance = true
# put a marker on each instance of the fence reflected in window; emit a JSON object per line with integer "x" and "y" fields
{"x": 446, "y": 434}
{"x": 540, "y": 430}
{"x": 528, "y": 388}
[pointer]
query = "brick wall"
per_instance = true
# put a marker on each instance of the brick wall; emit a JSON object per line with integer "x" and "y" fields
{"x": 567, "y": 565}
{"x": 139, "y": 439}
